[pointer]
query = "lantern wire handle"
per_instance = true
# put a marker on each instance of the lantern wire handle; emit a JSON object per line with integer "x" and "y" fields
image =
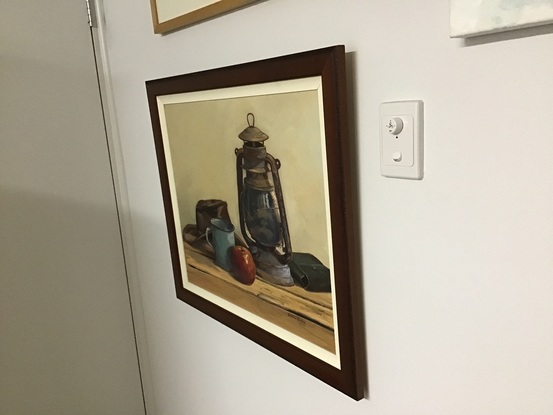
{"x": 252, "y": 124}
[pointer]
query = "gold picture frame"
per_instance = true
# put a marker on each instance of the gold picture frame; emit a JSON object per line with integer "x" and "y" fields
{"x": 168, "y": 15}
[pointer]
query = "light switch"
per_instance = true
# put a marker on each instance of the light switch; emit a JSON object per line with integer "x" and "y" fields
{"x": 401, "y": 139}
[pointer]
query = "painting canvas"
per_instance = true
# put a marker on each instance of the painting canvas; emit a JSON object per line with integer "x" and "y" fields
{"x": 202, "y": 136}
{"x": 477, "y": 17}
{"x": 254, "y": 170}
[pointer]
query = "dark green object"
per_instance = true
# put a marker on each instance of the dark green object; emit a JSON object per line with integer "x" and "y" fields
{"x": 309, "y": 272}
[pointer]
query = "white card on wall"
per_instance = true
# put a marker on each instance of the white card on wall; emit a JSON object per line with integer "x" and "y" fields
{"x": 478, "y": 17}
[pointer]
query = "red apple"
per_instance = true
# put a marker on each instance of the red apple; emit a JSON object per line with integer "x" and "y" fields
{"x": 243, "y": 267}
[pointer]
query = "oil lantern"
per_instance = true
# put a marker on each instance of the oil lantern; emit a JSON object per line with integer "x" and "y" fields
{"x": 261, "y": 206}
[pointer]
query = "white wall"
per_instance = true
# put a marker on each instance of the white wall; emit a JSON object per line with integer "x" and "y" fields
{"x": 457, "y": 268}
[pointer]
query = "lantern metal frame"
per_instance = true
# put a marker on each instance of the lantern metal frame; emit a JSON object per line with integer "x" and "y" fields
{"x": 255, "y": 160}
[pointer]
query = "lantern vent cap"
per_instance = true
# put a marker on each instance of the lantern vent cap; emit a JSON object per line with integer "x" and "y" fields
{"x": 252, "y": 133}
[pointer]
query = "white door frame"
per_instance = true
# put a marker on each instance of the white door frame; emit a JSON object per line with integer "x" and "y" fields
{"x": 98, "y": 30}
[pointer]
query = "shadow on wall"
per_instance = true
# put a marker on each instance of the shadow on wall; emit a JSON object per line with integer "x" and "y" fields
{"x": 357, "y": 280}
{"x": 66, "y": 327}
{"x": 508, "y": 35}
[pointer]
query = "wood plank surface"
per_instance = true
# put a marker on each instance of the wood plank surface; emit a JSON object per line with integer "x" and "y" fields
{"x": 308, "y": 315}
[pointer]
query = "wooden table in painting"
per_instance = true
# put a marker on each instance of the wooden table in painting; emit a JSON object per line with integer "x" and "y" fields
{"x": 306, "y": 314}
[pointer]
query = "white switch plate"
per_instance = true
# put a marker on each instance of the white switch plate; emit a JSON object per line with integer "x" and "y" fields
{"x": 401, "y": 152}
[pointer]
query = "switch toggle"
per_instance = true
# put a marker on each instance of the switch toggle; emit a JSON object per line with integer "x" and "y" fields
{"x": 401, "y": 139}
{"x": 396, "y": 156}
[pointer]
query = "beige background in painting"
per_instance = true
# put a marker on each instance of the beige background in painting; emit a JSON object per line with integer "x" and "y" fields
{"x": 203, "y": 136}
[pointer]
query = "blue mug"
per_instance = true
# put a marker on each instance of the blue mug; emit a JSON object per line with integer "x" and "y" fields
{"x": 222, "y": 233}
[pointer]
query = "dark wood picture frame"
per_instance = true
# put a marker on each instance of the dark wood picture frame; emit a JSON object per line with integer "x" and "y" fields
{"x": 325, "y": 67}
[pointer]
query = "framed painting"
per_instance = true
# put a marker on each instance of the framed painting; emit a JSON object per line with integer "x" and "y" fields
{"x": 168, "y": 15}
{"x": 478, "y": 17}
{"x": 254, "y": 163}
